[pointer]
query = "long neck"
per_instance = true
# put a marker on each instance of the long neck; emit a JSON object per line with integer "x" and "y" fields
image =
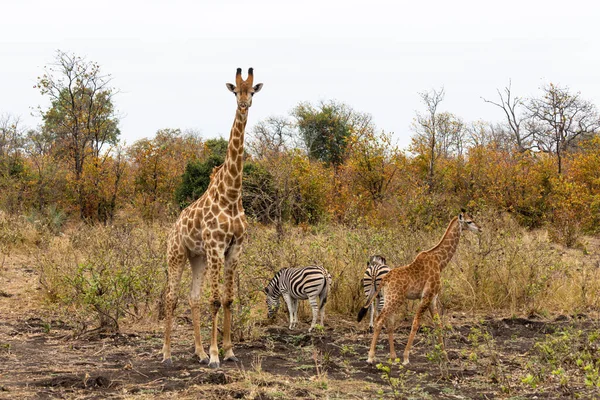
{"x": 234, "y": 160}
{"x": 446, "y": 248}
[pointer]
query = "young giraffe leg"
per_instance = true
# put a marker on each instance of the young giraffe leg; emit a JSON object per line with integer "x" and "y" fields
{"x": 231, "y": 262}
{"x": 176, "y": 263}
{"x": 415, "y": 326}
{"x": 381, "y": 318}
{"x": 198, "y": 264}
{"x": 433, "y": 310}
{"x": 215, "y": 260}
{"x": 390, "y": 327}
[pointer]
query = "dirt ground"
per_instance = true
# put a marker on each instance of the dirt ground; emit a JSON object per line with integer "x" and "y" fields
{"x": 40, "y": 358}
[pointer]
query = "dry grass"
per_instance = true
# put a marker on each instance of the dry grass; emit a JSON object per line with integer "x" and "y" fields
{"x": 103, "y": 274}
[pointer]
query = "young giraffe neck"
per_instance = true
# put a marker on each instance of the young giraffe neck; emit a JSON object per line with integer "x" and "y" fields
{"x": 234, "y": 160}
{"x": 445, "y": 249}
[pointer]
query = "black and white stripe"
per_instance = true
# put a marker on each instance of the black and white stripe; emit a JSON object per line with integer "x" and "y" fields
{"x": 376, "y": 270}
{"x": 295, "y": 284}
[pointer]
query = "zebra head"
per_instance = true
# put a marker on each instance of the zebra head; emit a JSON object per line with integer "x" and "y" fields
{"x": 376, "y": 260}
{"x": 273, "y": 294}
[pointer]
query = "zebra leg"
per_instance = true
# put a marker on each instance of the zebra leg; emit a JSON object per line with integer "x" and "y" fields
{"x": 295, "y": 311}
{"x": 315, "y": 311}
{"x": 372, "y": 313}
{"x": 290, "y": 305}
{"x": 323, "y": 301}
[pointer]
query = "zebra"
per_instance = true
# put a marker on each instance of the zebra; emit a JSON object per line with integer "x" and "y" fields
{"x": 376, "y": 270}
{"x": 299, "y": 284}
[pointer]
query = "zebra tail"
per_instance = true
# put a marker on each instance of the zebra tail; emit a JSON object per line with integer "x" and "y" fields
{"x": 372, "y": 295}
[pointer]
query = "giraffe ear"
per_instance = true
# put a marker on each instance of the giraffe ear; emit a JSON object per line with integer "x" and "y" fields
{"x": 257, "y": 87}
{"x": 231, "y": 87}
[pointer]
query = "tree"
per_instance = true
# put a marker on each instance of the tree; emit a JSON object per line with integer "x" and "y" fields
{"x": 159, "y": 164}
{"x": 81, "y": 118}
{"x": 270, "y": 192}
{"x": 11, "y": 146}
{"x": 271, "y": 136}
{"x": 560, "y": 118}
{"x": 427, "y": 141}
{"x": 512, "y": 106}
{"x": 373, "y": 163}
{"x": 327, "y": 128}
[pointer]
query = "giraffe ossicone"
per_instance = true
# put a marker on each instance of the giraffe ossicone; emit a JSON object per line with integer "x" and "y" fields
{"x": 210, "y": 233}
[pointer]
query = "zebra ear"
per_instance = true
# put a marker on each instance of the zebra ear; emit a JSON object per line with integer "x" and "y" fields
{"x": 265, "y": 290}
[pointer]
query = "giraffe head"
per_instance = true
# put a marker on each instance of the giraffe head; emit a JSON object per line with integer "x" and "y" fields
{"x": 467, "y": 222}
{"x": 244, "y": 89}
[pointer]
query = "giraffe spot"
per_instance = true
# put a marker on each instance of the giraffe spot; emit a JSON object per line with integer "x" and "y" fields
{"x": 219, "y": 236}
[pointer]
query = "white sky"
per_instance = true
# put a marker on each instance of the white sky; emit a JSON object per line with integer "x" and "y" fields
{"x": 171, "y": 59}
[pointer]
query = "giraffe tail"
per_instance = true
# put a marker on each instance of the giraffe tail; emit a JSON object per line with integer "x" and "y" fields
{"x": 372, "y": 295}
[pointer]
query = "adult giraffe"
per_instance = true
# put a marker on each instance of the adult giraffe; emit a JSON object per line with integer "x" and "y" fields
{"x": 209, "y": 233}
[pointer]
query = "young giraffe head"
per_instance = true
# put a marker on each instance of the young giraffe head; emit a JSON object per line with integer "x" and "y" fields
{"x": 467, "y": 222}
{"x": 243, "y": 89}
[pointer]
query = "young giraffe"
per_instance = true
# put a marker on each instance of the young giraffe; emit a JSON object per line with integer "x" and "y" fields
{"x": 210, "y": 232}
{"x": 418, "y": 280}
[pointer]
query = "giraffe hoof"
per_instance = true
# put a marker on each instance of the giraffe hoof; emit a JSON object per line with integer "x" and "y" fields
{"x": 405, "y": 362}
{"x": 203, "y": 360}
{"x": 370, "y": 362}
{"x": 232, "y": 358}
{"x": 214, "y": 364}
{"x": 168, "y": 362}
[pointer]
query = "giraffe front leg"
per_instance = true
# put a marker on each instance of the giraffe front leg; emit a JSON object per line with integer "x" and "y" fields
{"x": 415, "y": 326}
{"x": 215, "y": 263}
{"x": 176, "y": 263}
{"x": 433, "y": 310}
{"x": 231, "y": 263}
{"x": 198, "y": 265}
{"x": 228, "y": 354}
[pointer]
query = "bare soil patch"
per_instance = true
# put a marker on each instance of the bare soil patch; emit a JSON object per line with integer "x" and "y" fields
{"x": 41, "y": 358}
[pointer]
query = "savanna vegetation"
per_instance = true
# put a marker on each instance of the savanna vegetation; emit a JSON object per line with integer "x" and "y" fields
{"x": 89, "y": 216}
